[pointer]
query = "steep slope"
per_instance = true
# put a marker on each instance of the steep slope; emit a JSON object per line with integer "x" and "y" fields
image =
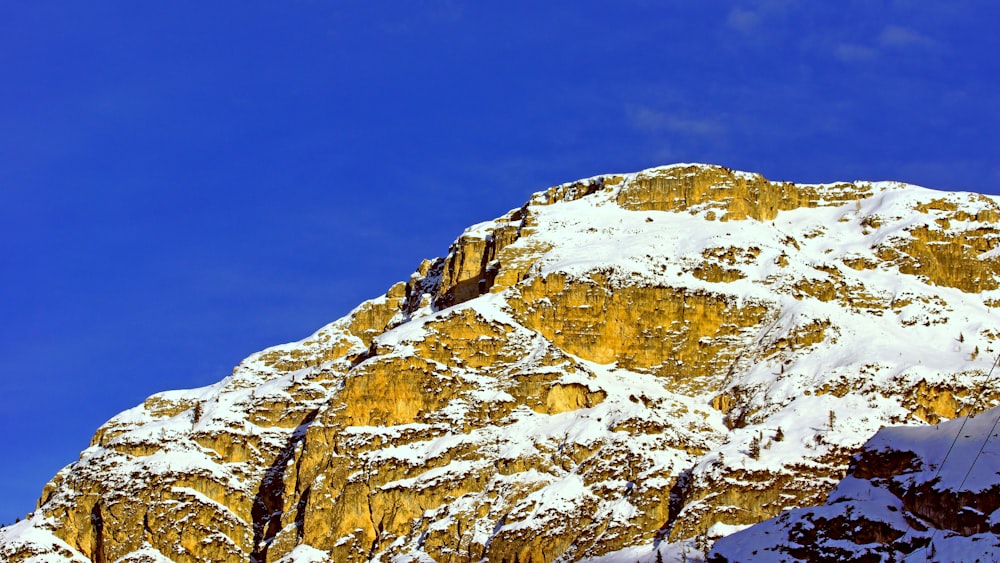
{"x": 625, "y": 361}
{"x": 920, "y": 494}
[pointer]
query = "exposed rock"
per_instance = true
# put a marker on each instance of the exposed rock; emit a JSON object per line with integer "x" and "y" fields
{"x": 921, "y": 494}
{"x": 625, "y": 361}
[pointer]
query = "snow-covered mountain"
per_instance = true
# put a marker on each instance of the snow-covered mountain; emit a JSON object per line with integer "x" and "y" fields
{"x": 626, "y": 365}
{"x": 911, "y": 494}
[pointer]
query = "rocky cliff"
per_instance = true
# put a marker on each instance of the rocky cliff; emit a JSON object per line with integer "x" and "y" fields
{"x": 917, "y": 494}
{"x": 624, "y": 364}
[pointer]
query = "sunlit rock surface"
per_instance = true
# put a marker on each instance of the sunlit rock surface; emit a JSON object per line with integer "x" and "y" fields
{"x": 911, "y": 494}
{"x": 625, "y": 364}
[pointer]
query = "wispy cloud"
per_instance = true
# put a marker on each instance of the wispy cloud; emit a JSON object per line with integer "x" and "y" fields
{"x": 749, "y": 17}
{"x": 852, "y": 52}
{"x": 904, "y": 37}
{"x": 892, "y": 39}
{"x": 743, "y": 20}
{"x": 421, "y": 15}
{"x": 648, "y": 119}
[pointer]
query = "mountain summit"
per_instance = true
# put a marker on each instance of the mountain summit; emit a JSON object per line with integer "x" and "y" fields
{"x": 626, "y": 367}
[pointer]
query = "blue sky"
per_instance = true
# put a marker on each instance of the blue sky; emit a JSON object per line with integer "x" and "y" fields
{"x": 184, "y": 183}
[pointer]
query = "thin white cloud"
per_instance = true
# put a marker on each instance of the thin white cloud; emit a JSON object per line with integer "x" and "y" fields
{"x": 750, "y": 17}
{"x": 647, "y": 119}
{"x": 422, "y": 15}
{"x": 742, "y": 20}
{"x": 892, "y": 38}
{"x": 852, "y": 52}
{"x": 904, "y": 37}
{"x": 692, "y": 126}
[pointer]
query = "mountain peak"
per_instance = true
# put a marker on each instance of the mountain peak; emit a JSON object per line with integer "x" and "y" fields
{"x": 719, "y": 192}
{"x": 623, "y": 363}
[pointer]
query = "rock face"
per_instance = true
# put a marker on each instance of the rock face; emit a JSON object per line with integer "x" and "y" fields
{"x": 625, "y": 362}
{"x": 921, "y": 494}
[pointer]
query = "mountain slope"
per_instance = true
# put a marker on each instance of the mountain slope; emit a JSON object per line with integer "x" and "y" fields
{"x": 625, "y": 361}
{"x": 921, "y": 494}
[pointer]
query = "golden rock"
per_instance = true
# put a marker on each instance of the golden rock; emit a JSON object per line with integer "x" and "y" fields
{"x": 623, "y": 360}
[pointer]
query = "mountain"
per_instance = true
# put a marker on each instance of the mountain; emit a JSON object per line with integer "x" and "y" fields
{"x": 918, "y": 494}
{"x": 625, "y": 366}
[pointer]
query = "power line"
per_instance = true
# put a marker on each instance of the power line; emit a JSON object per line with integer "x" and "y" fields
{"x": 981, "y": 448}
{"x": 958, "y": 434}
{"x": 966, "y": 419}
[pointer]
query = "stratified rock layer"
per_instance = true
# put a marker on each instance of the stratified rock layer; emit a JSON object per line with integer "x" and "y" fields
{"x": 625, "y": 361}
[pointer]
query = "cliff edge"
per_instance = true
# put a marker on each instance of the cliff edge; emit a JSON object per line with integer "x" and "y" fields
{"x": 625, "y": 365}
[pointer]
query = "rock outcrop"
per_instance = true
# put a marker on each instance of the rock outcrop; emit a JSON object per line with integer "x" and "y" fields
{"x": 911, "y": 494}
{"x": 624, "y": 363}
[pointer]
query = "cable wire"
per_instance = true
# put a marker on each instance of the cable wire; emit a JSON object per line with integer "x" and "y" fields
{"x": 958, "y": 434}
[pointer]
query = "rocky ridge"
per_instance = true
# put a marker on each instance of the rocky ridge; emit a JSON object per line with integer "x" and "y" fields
{"x": 912, "y": 494}
{"x": 626, "y": 363}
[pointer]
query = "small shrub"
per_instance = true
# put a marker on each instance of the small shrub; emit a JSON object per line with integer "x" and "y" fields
{"x": 755, "y": 447}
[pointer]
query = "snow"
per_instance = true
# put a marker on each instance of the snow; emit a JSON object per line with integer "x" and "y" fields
{"x": 553, "y": 501}
{"x": 304, "y": 554}
{"x": 436, "y": 477}
{"x": 145, "y": 554}
{"x": 964, "y": 441}
{"x": 220, "y": 508}
{"x": 869, "y": 350}
{"x": 965, "y": 469}
{"x": 46, "y": 546}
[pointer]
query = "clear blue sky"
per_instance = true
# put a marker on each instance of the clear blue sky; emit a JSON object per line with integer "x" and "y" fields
{"x": 184, "y": 183}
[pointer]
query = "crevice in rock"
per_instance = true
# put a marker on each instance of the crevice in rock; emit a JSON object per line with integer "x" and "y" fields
{"x": 679, "y": 494}
{"x": 268, "y": 504}
{"x": 300, "y": 513}
{"x": 146, "y": 530}
{"x": 97, "y": 521}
